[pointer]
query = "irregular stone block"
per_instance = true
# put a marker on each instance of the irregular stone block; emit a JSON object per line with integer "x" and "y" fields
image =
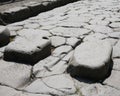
{"x": 91, "y": 60}
{"x": 4, "y": 36}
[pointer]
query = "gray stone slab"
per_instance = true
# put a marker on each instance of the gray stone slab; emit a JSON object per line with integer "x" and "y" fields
{"x": 4, "y": 36}
{"x": 90, "y": 59}
{"x": 13, "y": 74}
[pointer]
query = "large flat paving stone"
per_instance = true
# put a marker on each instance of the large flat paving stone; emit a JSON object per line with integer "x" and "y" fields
{"x": 4, "y": 36}
{"x": 28, "y": 48}
{"x": 59, "y": 85}
{"x": 91, "y": 59}
{"x": 13, "y": 74}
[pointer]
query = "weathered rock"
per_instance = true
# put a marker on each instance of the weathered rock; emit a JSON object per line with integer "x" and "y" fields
{"x": 7, "y": 91}
{"x": 57, "y": 41}
{"x": 91, "y": 60}
{"x": 13, "y": 74}
{"x": 4, "y": 36}
{"x": 113, "y": 80}
{"x": 58, "y": 84}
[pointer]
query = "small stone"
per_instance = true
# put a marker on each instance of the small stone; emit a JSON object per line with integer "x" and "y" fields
{"x": 57, "y": 41}
{"x": 116, "y": 64}
{"x": 4, "y": 36}
{"x": 90, "y": 59}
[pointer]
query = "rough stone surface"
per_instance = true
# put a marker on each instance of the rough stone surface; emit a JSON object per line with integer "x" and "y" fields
{"x": 4, "y": 36}
{"x": 91, "y": 59}
{"x": 14, "y": 74}
{"x": 51, "y": 85}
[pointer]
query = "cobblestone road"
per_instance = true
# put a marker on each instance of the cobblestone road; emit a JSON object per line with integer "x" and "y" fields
{"x": 65, "y": 27}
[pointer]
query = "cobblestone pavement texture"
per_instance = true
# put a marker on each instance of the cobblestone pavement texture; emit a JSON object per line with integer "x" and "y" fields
{"x": 69, "y": 36}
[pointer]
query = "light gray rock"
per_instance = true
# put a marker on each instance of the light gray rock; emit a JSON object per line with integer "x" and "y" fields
{"x": 4, "y": 36}
{"x": 90, "y": 59}
{"x": 116, "y": 49}
{"x": 114, "y": 79}
{"x": 58, "y": 84}
{"x": 28, "y": 47}
{"x": 58, "y": 68}
{"x": 31, "y": 94}
{"x": 1, "y": 54}
{"x": 57, "y": 41}
{"x": 99, "y": 90}
{"x": 115, "y": 25}
{"x": 61, "y": 50}
{"x": 13, "y": 74}
{"x": 68, "y": 56}
{"x": 31, "y": 26}
{"x": 7, "y": 91}
{"x": 73, "y": 41}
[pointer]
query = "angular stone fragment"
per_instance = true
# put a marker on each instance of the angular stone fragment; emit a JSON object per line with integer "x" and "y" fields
{"x": 13, "y": 74}
{"x": 91, "y": 60}
{"x": 58, "y": 85}
{"x": 28, "y": 48}
{"x": 4, "y": 36}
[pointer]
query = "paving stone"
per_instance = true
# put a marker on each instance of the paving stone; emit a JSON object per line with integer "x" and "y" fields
{"x": 113, "y": 80}
{"x": 91, "y": 59}
{"x": 31, "y": 94}
{"x": 73, "y": 41}
{"x": 57, "y": 41}
{"x": 116, "y": 48}
{"x": 51, "y": 85}
{"x": 31, "y": 26}
{"x": 4, "y": 36}
{"x": 116, "y": 64}
{"x": 95, "y": 36}
{"x": 99, "y": 90}
{"x": 58, "y": 68}
{"x": 112, "y": 41}
{"x": 13, "y": 74}
{"x": 61, "y": 50}
{"x": 7, "y": 91}
{"x": 114, "y": 35}
{"x": 69, "y": 32}
{"x": 44, "y": 64}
